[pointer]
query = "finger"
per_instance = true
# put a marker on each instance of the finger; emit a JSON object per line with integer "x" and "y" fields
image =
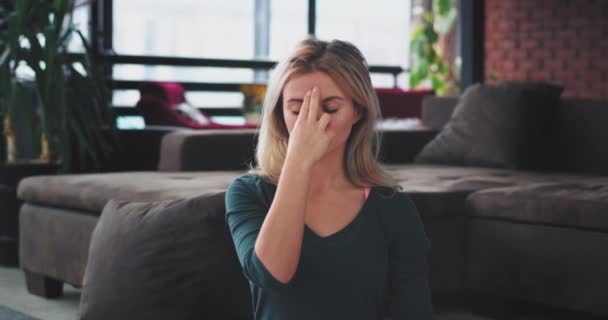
{"x": 305, "y": 106}
{"x": 313, "y": 109}
{"x": 324, "y": 121}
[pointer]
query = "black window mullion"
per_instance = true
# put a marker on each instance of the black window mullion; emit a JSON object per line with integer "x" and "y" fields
{"x": 312, "y": 17}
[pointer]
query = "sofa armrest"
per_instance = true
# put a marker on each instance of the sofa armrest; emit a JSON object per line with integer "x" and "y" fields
{"x": 207, "y": 150}
{"x": 436, "y": 111}
{"x": 401, "y": 146}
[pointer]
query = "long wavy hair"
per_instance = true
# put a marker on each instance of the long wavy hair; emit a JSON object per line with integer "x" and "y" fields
{"x": 345, "y": 64}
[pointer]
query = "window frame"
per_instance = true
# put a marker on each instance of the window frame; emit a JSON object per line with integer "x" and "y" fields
{"x": 101, "y": 35}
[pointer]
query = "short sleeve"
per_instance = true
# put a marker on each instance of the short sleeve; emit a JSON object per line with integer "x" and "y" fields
{"x": 245, "y": 213}
{"x": 408, "y": 263}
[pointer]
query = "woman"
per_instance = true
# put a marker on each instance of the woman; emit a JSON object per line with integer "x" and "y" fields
{"x": 319, "y": 228}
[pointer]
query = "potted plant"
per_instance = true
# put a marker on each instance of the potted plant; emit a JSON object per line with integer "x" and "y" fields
{"x": 71, "y": 121}
{"x": 253, "y": 100}
{"x": 432, "y": 49}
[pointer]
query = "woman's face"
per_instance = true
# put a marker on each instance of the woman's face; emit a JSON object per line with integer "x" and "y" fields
{"x": 332, "y": 100}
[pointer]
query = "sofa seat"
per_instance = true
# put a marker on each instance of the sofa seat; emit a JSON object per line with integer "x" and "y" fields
{"x": 91, "y": 192}
{"x": 571, "y": 203}
{"x": 542, "y": 242}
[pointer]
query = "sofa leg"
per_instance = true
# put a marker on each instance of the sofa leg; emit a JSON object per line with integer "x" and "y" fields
{"x": 43, "y": 286}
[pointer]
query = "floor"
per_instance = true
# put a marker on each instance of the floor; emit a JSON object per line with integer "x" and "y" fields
{"x": 13, "y": 294}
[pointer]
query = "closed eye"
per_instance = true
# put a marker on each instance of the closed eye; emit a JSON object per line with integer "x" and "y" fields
{"x": 328, "y": 110}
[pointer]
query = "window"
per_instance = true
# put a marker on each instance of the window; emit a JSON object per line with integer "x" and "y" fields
{"x": 80, "y": 19}
{"x": 288, "y": 26}
{"x": 227, "y": 30}
{"x": 380, "y": 30}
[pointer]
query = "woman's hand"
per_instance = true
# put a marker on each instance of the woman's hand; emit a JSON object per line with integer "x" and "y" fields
{"x": 309, "y": 139}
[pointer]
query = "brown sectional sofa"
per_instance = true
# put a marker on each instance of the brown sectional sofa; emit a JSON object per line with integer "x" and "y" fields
{"x": 500, "y": 237}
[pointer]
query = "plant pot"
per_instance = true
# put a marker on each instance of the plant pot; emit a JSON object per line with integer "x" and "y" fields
{"x": 252, "y": 117}
{"x": 10, "y": 176}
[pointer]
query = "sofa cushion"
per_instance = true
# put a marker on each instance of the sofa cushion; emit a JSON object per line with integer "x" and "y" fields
{"x": 495, "y": 126}
{"x": 440, "y": 190}
{"x": 575, "y": 203}
{"x": 90, "y": 192}
{"x": 165, "y": 260}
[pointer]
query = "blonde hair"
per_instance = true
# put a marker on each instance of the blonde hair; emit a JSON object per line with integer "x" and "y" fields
{"x": 345, "y": 64}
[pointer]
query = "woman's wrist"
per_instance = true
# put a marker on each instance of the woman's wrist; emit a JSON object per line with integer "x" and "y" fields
{"x": 297, "y": 163}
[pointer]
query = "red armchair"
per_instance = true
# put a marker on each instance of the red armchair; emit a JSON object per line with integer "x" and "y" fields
{"x": 399, "y": 103}
{"x": 164, "y": 103}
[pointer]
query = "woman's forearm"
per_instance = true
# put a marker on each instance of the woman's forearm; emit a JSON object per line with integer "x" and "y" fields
{"x": 279, "y": 242}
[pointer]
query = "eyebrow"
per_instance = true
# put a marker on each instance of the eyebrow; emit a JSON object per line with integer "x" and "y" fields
{"x": 324, "y": 100}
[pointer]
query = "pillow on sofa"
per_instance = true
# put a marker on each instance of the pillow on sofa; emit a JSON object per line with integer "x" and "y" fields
{"x": 502, "y": 125}
{"x": 164, "y": 260}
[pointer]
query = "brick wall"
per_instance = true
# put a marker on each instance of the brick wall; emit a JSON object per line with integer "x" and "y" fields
{"x": 562, "y": 41}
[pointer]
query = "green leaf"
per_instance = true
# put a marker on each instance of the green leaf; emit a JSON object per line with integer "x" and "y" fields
{"x": 414, "y": 80}
{"x": 448, "y": 22}
{"x": 436, "y": 83}
{"x": 430, "y": 33}
{"x": 422, "y": 69}
{"x": 4, "y": 58}
{"x": 21, "y": 9}
{"x": 418, "y": 47}
{"x": 60, "y": 8}
{"x": 443, "y": 6}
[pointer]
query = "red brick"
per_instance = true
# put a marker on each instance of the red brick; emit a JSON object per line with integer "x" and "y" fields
{"x": 565, "y": 53}
{"x": 540, "y": 34}
{"x": 566, "y": 76}
{"x": 506, "y": 26}
{"x": 529, "y": 64}
{"x": 577, "y": 65}
{"x": 518, "y": 54}
{"x": 590, "y": 53}
{"x": 578, "y": 21}
{"x": 577, "y": 86}
{"x": 553, "y": 64}
{"x": 591, "y": 33}
{"x": 599, "y": 64}
{"x": 508, "y": 65}
{"x": 553, "y": 43}
{"x": 599, "y": 86}
{"x": 540, "y": 76}
{"x": 552, "y": 24}
{"x": 505, "y": 4}
{"x": 541, "y": 54}
{"x": 516, "y": 15}
{"x": 507, "y": 44}
{"x": 591, "y": 76}
{"x": 530, "y": 44}
{"x": 529, "y": 26}
{"x": 491, "y": 45}
{"x": 496, "y": 55}
{"x": 565, "y": 34}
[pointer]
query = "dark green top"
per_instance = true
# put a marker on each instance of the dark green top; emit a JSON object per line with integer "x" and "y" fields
{"x": 380, "y": 256}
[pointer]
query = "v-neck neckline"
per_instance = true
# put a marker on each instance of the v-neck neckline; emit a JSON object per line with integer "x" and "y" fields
{"x": 344, "y": 230}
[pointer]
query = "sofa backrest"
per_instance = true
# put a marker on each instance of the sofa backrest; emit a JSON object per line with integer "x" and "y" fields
{"x": 208, "y": 150}
{"x": 436, "y": 111}
{"x": 579, "y": 137}
{"x": 577, "y": 140}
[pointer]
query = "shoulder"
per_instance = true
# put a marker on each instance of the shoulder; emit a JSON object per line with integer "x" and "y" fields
{"x": 250, "y": 181}
{"x": 399, "y": 213}
{"x": 250, "y": 185}
{"x": 396, "y": 203}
